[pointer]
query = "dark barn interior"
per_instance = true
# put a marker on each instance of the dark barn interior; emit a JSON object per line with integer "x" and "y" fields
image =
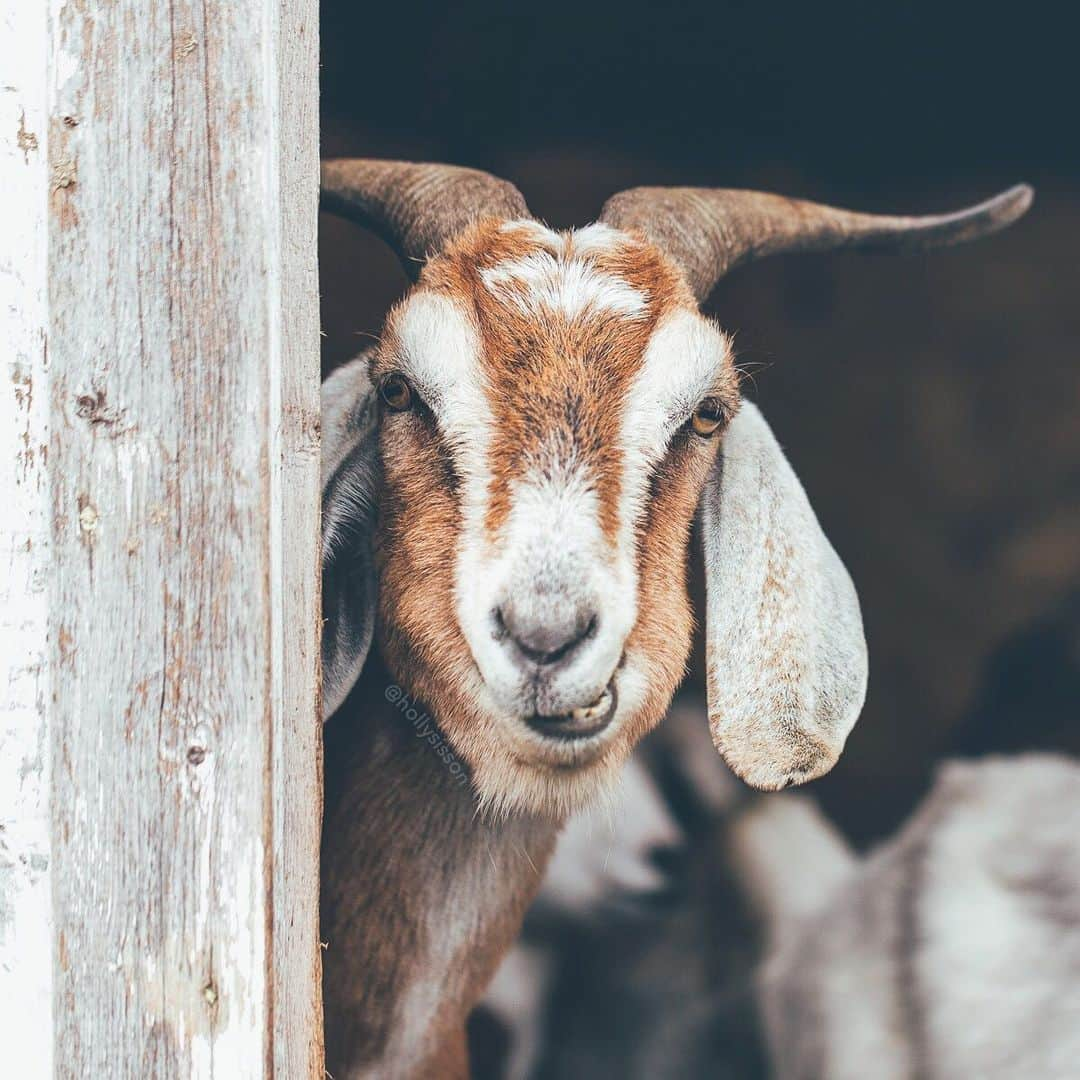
{"x": 931, "y": 404}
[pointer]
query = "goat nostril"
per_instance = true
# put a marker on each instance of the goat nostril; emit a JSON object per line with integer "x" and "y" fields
{"x": 571, "y": 642}
{"x": 544, "y": 642}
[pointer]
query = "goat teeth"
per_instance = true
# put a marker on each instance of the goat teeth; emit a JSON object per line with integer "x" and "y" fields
{"x": 594, "y": 711}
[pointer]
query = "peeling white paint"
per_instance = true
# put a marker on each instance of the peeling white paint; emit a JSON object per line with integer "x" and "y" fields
{"x": 174, "y": 920}
{"x": 26, "y": 931}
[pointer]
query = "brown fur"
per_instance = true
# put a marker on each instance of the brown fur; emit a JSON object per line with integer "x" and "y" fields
{"x": 549, "y": 378}
{"x": 401, "y": 831}
{"x": 576, "y": 371}
{"x": 397, "y": 821}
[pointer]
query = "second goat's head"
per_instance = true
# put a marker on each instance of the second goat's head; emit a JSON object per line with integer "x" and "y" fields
{"x": 511, "y": 476}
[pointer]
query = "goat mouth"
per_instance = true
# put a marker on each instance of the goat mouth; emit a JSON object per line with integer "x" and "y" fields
{"x": 580, "y": 723}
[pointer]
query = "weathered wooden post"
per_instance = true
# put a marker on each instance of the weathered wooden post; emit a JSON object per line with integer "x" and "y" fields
{"x": 159, "y": 746}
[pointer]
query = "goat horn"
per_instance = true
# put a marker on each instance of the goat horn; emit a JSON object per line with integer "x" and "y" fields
{"x": 709, "y": 231}
{"x": 415, "y": 208}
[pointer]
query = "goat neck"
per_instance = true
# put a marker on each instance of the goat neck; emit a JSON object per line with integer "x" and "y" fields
{"x": 421, "y": 896}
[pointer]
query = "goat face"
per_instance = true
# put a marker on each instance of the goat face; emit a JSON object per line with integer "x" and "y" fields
{"x": 542, "y": 418}
{"x": 542, "y": 398}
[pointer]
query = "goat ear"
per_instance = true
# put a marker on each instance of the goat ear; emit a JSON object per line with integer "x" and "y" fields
{"x": 785, "y": 650}
{"x": 350, "y": 477}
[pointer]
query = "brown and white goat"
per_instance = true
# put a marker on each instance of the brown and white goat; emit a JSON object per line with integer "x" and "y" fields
{"x": 510, "y": 482}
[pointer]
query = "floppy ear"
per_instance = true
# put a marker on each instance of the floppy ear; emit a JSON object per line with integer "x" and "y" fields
{"x": 785, "y": 649}
{"x": 349, "y": 482}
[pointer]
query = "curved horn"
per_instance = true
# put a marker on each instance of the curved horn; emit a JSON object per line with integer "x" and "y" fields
{"x": 415, "y": 208}
{"x": 709, "y": 231}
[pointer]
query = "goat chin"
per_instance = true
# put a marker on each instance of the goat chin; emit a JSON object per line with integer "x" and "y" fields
{"x": 555, "y": 794}
{"x": 511, "y": 779}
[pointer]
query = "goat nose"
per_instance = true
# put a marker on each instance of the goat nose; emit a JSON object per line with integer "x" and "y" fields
{"x": 548, "y": 639}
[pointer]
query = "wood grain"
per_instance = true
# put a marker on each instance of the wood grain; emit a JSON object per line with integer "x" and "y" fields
{"x": 182, "y": 599}
{"x": 26, "y": 982}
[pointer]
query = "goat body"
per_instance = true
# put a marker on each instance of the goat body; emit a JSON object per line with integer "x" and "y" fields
{"x": 952, "y": 951}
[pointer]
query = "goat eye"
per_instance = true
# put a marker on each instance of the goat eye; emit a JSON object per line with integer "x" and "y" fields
{"x": 708, "y": 417}
{"x": 396, "y": 393}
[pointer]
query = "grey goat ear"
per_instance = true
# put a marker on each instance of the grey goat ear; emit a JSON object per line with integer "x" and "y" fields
{"x": 785, "y": 650}
{"x": 349, "y": 483}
